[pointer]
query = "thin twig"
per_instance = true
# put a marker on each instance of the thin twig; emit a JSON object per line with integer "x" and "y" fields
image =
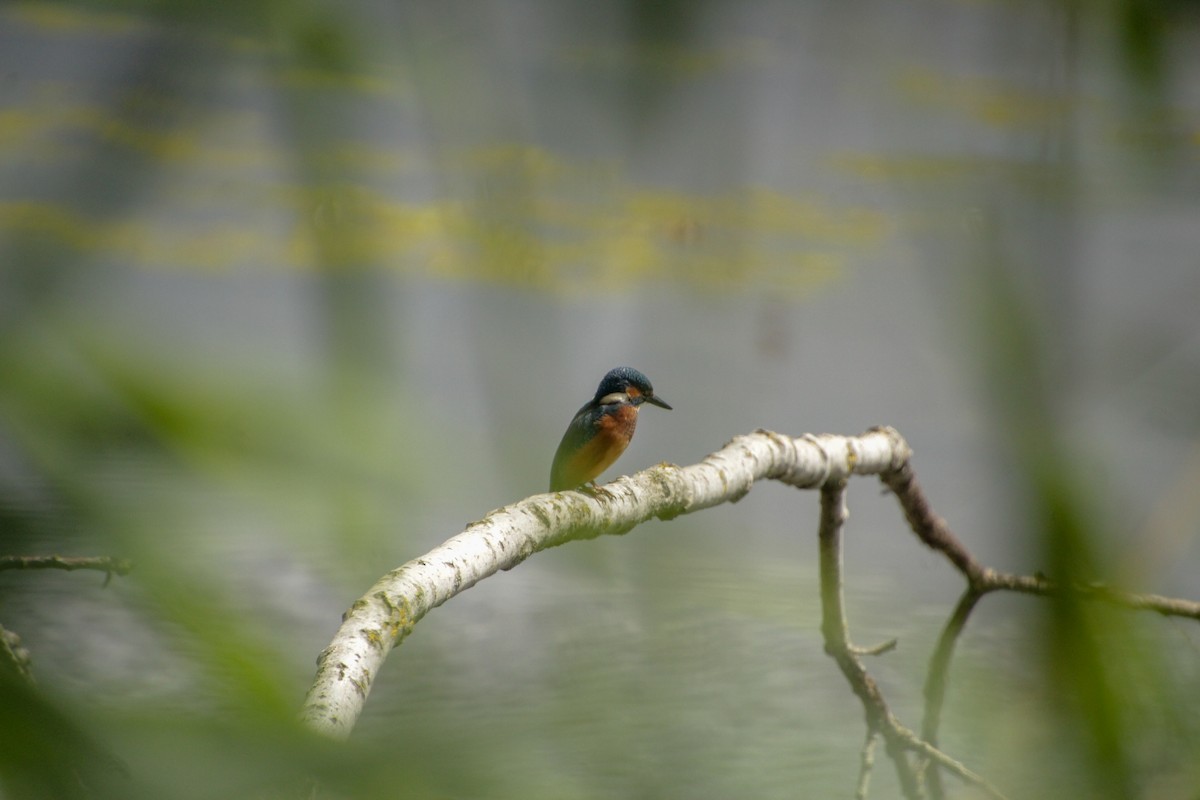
{"x": 954, "y": 766}
{"x": 929, "y": 527}
{"x": 837, "y": 644}
{"x": 866, "y": 762}
{"x": 113, "y": 566}
{"x": 992, "y": 581}
{"x": 898, "y": 739}
{"x": 877, "y": 650}
{"x": 936, "y": 534}
{"x": 936, "y": 682}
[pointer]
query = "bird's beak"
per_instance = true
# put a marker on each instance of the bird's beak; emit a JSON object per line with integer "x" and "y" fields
{"x": 657, "y": 401}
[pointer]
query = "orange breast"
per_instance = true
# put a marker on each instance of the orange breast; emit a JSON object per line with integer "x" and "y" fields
{"x": 613, "y": 432}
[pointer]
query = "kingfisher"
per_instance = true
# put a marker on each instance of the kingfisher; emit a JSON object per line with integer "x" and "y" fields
{"x": 602, "y": 429}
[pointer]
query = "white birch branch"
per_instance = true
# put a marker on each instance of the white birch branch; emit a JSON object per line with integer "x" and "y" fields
{"x": 380, "y": 619}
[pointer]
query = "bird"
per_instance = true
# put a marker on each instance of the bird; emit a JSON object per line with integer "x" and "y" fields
{"x": 602, "y": 429}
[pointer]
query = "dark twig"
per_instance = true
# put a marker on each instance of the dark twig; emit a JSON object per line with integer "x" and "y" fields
{"x": 1036, "y": 584}
{"x": 936, "y": 534}
{"x": 929, "y": 527}
{"x": 108, "y": 564}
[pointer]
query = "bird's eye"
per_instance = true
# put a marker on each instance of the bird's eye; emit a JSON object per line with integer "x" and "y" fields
{"x": 615, "y": 397}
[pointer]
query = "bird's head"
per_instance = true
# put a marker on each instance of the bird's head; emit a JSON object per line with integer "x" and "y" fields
{"x": 626, "y": 385}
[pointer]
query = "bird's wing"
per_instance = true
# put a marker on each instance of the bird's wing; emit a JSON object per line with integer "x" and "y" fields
{"x": 578, "y": 432}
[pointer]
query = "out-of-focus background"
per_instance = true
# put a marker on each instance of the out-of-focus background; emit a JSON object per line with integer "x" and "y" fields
{"x": 291, "y": 293}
